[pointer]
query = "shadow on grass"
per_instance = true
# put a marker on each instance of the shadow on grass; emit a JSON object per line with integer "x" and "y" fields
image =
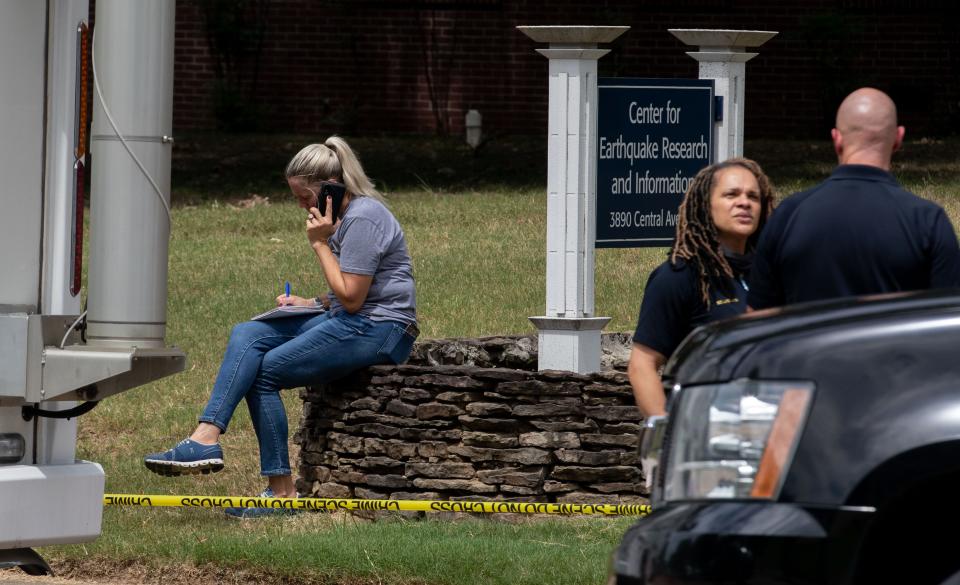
{"x": 211, "y": 166}
{"x": 805, "y": 163}
{"x": 228, "y": 166}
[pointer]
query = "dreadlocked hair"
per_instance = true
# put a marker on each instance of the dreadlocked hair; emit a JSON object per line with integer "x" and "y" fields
{"x": 696, "y": 241}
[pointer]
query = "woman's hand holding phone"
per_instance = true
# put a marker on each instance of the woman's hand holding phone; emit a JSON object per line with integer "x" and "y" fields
{"x": 320, "y": 226}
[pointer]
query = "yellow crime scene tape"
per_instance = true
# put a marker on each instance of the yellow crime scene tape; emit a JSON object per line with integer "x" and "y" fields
{"x": 334, "y": 504}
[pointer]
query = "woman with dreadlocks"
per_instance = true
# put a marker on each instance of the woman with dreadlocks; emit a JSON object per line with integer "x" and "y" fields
{"x": 705, "y": 277}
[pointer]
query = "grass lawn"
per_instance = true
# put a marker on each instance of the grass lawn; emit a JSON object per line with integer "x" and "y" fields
{"x": 475, "y": 223}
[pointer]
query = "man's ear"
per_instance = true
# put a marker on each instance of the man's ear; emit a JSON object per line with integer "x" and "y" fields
{"x": 837, "y": 142}
{"x": 898, "y": 143}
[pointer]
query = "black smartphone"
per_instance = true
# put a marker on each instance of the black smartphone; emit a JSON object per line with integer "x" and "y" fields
{"x": 334, "y": 190}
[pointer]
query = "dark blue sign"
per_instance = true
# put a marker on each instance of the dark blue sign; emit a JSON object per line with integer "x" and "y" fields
{"x": 653, "y": 136}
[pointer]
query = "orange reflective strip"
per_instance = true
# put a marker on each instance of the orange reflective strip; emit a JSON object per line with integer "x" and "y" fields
{"x": 782, "y": 436}
{"x": 83, "y": 80}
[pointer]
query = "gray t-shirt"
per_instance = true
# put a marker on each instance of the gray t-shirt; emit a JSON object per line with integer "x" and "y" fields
{"x": 369, "y": 241}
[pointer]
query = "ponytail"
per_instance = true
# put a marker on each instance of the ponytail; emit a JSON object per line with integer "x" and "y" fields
{"x": 333, "y": 158}
{"x": 354, "y": 178}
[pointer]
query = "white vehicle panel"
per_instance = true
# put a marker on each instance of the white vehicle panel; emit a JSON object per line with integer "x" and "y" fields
{"x": 61, "y": 144}
{"x": 50, "y": 504}
{"x": 22, "y": 45}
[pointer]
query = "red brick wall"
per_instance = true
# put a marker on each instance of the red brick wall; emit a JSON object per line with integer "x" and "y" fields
{"x": 361, "y": 66}
{"x": 193, "y": 72}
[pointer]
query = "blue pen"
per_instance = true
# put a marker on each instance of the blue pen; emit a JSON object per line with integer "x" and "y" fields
{"x": 286, "y": 288}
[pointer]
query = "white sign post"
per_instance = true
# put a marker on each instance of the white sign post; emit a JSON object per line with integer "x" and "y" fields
{"x": 723, "y": 58}
{"x": 569, "y": 332}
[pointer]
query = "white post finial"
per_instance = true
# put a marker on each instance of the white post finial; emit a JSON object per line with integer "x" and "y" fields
{"x": 723, "y": 58}
{"x": 569, "y": 333}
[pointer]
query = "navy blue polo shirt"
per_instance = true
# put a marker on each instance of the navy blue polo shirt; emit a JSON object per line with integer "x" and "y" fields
{"x": 856, "y": 233}
{"x": 672, "y": 306}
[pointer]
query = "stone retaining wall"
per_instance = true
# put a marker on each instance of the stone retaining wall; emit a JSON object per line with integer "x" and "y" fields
{"x": 430, "y": 430}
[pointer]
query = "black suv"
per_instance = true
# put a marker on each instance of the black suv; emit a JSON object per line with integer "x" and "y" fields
{"x": 819, "y": 443}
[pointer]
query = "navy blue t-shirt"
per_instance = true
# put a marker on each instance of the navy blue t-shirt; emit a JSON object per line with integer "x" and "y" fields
{"x": 672, "y": 306}
{"x": 856, "y": 233}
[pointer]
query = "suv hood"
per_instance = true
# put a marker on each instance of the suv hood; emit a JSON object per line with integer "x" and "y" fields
{"x": 784, "y": 342}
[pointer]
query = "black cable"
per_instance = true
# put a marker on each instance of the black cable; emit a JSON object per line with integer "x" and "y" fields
{"x": 29, "y": 411}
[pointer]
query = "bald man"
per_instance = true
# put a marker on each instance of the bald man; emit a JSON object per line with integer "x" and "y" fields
{"x": 858, "y": 232}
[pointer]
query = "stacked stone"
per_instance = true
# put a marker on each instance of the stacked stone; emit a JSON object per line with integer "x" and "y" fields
{"x": 468, "y": 432}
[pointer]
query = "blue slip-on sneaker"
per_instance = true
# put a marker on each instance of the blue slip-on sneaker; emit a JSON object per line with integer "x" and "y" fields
{"x": 187, "y": 457}
{"x": 254, "y": 513}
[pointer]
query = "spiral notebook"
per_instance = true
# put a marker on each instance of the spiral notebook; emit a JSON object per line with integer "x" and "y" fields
{"x": 288, "y": 311}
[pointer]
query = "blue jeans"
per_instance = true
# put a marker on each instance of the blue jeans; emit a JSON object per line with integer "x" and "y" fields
{"x": 264, "y": 357}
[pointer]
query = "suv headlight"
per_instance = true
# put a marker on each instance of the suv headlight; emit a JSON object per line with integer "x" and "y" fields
{"x": 734, "y": 440}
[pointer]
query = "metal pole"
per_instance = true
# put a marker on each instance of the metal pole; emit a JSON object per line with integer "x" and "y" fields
{"x": 132, "y": 121}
